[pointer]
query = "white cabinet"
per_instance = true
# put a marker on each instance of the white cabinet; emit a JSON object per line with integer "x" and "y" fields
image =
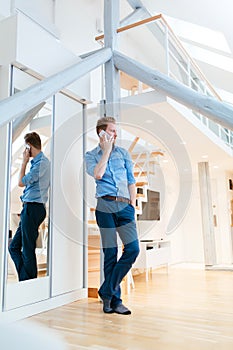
{"x": 152, "y": 254}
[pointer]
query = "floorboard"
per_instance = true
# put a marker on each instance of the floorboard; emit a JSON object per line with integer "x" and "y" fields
{"x": 185, "y": 309}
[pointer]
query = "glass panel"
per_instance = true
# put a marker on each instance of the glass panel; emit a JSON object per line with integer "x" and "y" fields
{"x": 214, "y": 127}
{"x": 38, "y": 120}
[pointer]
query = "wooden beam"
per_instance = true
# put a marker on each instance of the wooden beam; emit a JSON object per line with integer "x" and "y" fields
{"x": 215, "y": 110}
{"x": 133, "y": 144}
{"x": 23, "y": 101}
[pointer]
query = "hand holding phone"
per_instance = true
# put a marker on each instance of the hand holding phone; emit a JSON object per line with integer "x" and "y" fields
{"x": 102, "y": 133}
{"x": 28, "y": 148}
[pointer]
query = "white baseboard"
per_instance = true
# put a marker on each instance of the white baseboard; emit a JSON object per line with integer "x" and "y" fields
{"x": 42, "y": 306}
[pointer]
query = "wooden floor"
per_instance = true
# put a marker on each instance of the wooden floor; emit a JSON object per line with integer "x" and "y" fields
{"x": 186, "y": 309}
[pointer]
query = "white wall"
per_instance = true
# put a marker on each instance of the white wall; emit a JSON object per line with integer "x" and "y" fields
{"x": 67, "y": 204}
{"x": 41, "y": 11}
{"x": 5, "y": 8}
{"x": 192, "y": 229}
{"x": 221, "y": 201}
{"x": 76, "y": 22}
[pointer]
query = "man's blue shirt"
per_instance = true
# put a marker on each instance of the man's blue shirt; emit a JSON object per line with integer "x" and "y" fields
{"x": 118, "y": 174}
{"x": 37, "y": 180}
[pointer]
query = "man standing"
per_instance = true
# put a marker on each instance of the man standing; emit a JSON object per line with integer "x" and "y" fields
{"x": 112, "y": 168}
{"x": 35, "y": 195}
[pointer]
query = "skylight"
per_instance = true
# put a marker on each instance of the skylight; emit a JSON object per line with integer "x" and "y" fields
{"x": 199, "y": 34}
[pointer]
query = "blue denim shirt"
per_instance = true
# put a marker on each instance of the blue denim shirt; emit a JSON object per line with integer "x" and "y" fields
{"x": 118, "y": 175}
{"x": 37, "y": 180}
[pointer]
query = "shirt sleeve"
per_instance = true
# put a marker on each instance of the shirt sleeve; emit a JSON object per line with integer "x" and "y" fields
{"x": 90, "y": 163}
{"x": 129, "y": 168}
{"x": 36, "y": 171}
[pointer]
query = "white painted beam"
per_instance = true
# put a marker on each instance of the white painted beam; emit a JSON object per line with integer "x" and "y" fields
{"x": 135, "y": 16}
{"x": 20, "y": 123}
{"x": 135, "y": 4}
{"x": 87, "y": 54}
{"x": 22, "y": 102}
{"x": 138, "y": 4}
{"x": 112, "y": 77}
{"x": 214, "y": 109}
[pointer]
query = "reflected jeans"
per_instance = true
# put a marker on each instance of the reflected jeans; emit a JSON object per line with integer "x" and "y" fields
{"x": 116, "y": 217}
{"x": 23, "y": 245}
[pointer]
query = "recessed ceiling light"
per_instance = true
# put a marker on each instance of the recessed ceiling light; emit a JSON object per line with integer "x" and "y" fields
{"x": 215, "y": 166}
{"x": 149, "y": 121}
{"x": 204, "y": 156}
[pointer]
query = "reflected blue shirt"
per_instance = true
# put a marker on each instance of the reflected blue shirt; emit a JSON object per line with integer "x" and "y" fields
{"x": 37, "y": 180}
{"x": 118, "y": 174}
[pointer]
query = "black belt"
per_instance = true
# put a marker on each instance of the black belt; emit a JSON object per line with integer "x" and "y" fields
{"x": 117, "y": 199}
{"x": 33, "y": 203}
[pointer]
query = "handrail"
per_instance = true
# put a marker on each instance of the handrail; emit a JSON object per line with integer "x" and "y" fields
{"x": 177, "y": 41}
{"x": 23, "y": 101}
{"x": 132, "y": 25}
{"x": 189, "y": 57}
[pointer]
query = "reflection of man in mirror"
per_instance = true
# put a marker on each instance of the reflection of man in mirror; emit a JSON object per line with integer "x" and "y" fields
{"x": 112, "y": 168}
{"x": 35, "y": 195}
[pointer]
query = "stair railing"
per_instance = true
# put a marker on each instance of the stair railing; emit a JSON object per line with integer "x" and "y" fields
{"x": 181, "y": 67}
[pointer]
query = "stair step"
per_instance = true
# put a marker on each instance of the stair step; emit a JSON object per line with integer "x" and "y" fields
{"x": 140, "y": 195}
{"x": 93, "y": 292}
{"x": 145, "y": 155}
{"x": 141, "y": 183}
{"x": 143, "y": 173}
{"x": 140, "y": 162}
{"x": 91, "y": 222}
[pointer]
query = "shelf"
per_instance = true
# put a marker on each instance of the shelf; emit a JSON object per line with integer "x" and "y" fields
{"x": 153, "y": 253}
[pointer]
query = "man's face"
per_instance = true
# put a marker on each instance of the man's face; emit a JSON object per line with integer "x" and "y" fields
{"x": 111, "y": 130}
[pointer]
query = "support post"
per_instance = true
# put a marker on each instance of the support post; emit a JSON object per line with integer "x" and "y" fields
{"x": 112, "y": 77}
{"x": 207, "y": 214}
{"x": 85, "y": 229}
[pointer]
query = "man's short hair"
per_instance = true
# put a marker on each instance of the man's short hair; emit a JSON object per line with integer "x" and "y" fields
{"x": 34, "y": 139}
{"x": 102, "y": 123}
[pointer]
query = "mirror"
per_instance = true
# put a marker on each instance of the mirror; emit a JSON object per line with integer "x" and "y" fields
{"x": 38, "y": 120}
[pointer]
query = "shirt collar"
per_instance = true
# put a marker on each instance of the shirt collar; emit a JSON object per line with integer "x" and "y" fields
{"x": 37, "y": 157}
{"x": 99, "y": 149}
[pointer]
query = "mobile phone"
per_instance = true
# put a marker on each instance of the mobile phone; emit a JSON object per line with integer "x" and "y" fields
{"x": 102, "y": 133}
{"x": 29, "y": 149}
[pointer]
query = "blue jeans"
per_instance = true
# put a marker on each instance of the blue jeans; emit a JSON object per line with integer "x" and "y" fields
{"x": 23, "y": 245}
{"x": 113, "y": 217}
